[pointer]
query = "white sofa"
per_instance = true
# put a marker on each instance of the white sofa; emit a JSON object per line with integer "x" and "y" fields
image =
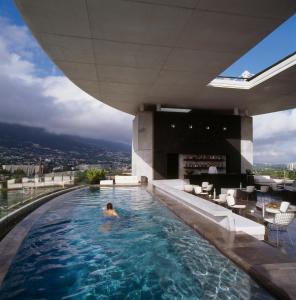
{"x": 12, "y": 185}
{"x": 126, "y": 180}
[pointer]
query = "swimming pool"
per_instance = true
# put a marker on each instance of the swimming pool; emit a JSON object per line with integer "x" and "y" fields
{"x": 73, "y": 252}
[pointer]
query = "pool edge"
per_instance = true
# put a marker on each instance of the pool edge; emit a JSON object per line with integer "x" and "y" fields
{"x": 26, "y": 218}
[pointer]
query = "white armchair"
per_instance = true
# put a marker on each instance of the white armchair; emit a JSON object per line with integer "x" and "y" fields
{"x": 250, "y": 189}
{"x": 197, "y": 189}
{"x": 232, "y": 204}
{"x": 204, "y": 185}
{"x": 280, "y": 222}
{"x": 209, "y": 188}
{"x": 188, "y": 188}
{"x": 221, "y": 199}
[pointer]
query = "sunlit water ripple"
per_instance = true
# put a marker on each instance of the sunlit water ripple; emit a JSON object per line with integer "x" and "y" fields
{"x": 73, "y": 252}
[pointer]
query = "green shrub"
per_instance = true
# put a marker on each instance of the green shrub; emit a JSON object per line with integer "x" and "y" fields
{"x": 80, "y": 178}
{"x": 95, "y": 175}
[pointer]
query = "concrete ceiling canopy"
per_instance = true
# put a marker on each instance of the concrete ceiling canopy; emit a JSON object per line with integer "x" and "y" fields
{"x": 126, "y": 53}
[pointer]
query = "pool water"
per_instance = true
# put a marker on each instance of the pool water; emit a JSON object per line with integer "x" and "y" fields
{"x": 74, "y": 252}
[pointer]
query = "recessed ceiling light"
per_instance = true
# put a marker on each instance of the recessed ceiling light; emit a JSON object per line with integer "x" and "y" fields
{"x": 208, "y": 127}
{"x": 224, "y": 128}
{"x": 173, "y": 126}
{"x": 190, "y": 126}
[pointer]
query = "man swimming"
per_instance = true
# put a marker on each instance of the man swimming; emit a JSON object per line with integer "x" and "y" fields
{"x": 109, "y": 211}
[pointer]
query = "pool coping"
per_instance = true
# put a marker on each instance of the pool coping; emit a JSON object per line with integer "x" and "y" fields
{"x": 268, "y": 266}
{"x": 11, "y": 242}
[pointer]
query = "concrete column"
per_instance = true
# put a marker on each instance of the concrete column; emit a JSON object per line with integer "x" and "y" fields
{"x": 142, "y": 147}
{"x": 246, "y": 144}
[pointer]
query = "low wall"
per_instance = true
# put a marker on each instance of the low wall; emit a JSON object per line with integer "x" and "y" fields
{"x": 216, "y": 213}
{"x": 9, "y": 221}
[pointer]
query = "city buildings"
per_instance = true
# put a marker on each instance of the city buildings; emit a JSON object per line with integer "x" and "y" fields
{"x": 291, "y": 166}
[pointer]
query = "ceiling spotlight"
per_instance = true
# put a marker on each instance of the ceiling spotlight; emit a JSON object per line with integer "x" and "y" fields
{"x": 190, "y": 126}
{"x": 224, "y": 128}
{"x": 173, "y": 126}
{"x": 208, "y": 127}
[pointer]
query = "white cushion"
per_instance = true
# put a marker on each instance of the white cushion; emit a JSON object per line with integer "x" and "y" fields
{"x": 188, "y": 188}
{"x": 106, "y": 182}
{"x": 204, "y": 184}
{"x": 197, "y": 189}
{"x": 222, "y": 197}
{"x": 126, "y": 179}
{"x": 269, "y": 220}
{"x": 284, "y": 206}
{"x": 219, "y": 200}
{"x": 272, "y": 210}
{"x": 250, "y": 189}
{"x": 238, "y": 206}
{"x": 230, "y": 200}
{"x": 230, "y": 192}
{"x": 209, "y": 187}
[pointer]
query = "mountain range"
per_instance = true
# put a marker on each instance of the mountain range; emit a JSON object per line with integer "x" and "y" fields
{"x": 14, "y": 135}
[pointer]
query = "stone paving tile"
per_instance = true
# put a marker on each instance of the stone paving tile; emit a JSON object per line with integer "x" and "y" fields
{"x": 284, "y": 274}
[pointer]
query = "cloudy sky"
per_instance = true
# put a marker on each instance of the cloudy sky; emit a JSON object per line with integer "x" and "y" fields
{"x": 34, "y": 92}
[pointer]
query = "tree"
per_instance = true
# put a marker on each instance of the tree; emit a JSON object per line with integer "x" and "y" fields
{"x": 95, "y": 175}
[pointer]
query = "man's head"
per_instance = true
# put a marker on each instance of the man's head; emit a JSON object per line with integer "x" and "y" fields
{"x": 109, "y": 206}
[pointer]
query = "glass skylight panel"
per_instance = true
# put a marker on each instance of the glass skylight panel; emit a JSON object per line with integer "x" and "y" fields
{"x": 274, "y": 54}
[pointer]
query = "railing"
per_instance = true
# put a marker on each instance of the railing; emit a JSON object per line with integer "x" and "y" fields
{"x": 14, "y": 199}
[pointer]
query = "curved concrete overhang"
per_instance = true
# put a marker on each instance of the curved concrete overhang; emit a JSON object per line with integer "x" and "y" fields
{"x": 131, "y": 52}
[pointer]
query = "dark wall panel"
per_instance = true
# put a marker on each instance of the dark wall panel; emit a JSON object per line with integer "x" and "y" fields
{"x": 195, "y": 133}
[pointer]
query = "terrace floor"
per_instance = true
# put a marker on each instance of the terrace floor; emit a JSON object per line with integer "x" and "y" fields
{"x": 254, "y": 213}
{"x": 285, "y": 245}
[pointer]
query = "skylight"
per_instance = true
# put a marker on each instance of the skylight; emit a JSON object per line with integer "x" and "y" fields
{"x": 178, "y": 110}
{"x": 274, "y": 54}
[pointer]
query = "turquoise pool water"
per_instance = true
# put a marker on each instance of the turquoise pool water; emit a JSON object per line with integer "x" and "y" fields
{"x": 73, "y": 252}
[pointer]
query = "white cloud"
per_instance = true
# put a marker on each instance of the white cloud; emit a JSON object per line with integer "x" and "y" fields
{"x": 51, "y": 102}
{"x": 275, "y": 137}
{"x": 274, "y": 124}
